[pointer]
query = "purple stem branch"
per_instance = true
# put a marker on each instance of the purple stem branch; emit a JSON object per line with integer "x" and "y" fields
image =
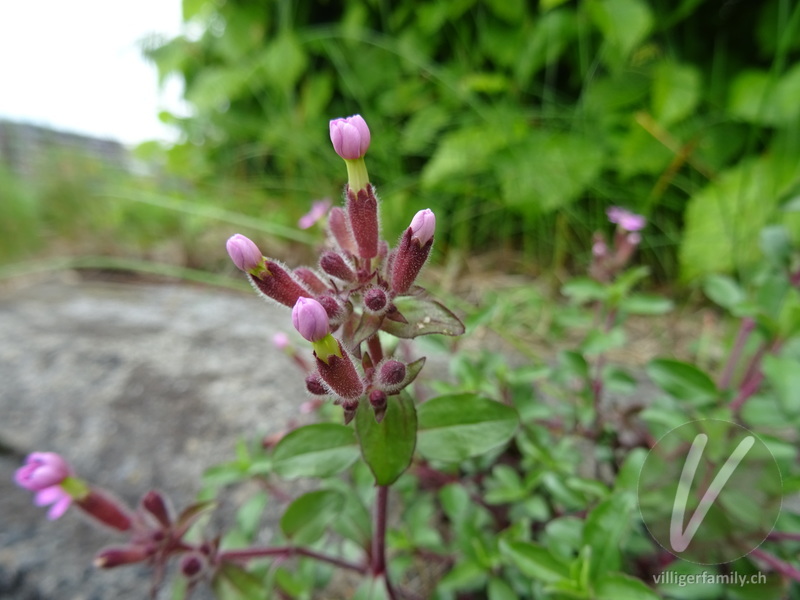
{"x": 286, "y": 551}
{"x": 745, "y": 329}
{"x": 378, "y": 566}
{"x": 778, "y": 565}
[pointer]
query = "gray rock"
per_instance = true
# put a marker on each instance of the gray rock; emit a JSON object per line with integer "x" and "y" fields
{"x": 140, "y": 386}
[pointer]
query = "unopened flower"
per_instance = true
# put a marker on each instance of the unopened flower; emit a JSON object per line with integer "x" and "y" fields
{"x": 318, "y": 210}
{"x": 412, "y": 251}
{"x": 43, "y": 473}
{"x": 350, "y": 137}
{"x": 627, "y": 220}
{"x": 376, "y": 300}
{"x": 423, "y": 225}
{"x": 244, "y": 253}
{"x": 334, "y": 265}
{"x": 310, "y": 319}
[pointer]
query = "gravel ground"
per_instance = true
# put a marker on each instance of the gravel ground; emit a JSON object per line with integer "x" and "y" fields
{"x": 141, "y": 386}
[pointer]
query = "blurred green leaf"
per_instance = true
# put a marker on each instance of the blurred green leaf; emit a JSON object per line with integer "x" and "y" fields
{"x": 605, "y": 529}
{"x": 534, "y": 561}
{"x": 682, "y": 380}
{"x": 453, "y": 428}
{"x": 723, "y": 290}
{"x": 307, "y": 517}
{"x": 617, "y": 586}
{"x": 624, "y": 23}
{"x": 319, "y": 450}
{"x": 676, "y": 92}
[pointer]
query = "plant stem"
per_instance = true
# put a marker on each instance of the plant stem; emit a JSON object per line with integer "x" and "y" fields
{"x": 287, "y": 551}
{"x": 745, "y": 329}
{"x": 777, "y": 564}
{"x": 379, "y": 539}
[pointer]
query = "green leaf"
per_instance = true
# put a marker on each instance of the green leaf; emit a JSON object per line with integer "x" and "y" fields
{"x": 624, "y": 24}
{"x": 425, "y": 316}
{"x": 307, "y": 517}
{"x": 534, "y": 561}
{"x": 646, "y": 304}
{"x": 319, "y": 450}
{"x": 584, "y": 289}
{"x": 723, "y": 290}
{"x": 617, "y": 586}
{"x": 604, "y": 531}
{"x": 388, "y": 446}
{"x": 550, "y": 170}
{"x": 499, "y": 589}
{"x": 232, "y": 582}
{"x": 453, "y": 428}
{"x": 248, "y": 517}
{"x": 676, "y": 92}
{"x": 682, "y": 380}
{"x": 783, "y": 373}
{"x": 724, "y": 219}
{"x": 776, "y": 245}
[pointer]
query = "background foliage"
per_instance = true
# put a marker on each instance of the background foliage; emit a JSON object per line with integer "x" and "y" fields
{"x": 514, "y": 119}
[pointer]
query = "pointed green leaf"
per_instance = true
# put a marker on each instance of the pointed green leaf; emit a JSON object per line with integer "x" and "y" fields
{"x": 319, "y": 450}
{"x": 387, "y": 447}
{"x": 453, "y": 428}
{"x": 682, "y": 380}
{"x": 307, "y": 517}
{"x": 425, "y": 316}
{"x": 534, "y": 561}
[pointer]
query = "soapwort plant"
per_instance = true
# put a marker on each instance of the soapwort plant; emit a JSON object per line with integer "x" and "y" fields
{"x": 511, "y": 482}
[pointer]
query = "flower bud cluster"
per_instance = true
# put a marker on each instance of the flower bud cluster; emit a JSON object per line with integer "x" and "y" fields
{"x": 608, "y": 261}
{"x": 341, "y": 304}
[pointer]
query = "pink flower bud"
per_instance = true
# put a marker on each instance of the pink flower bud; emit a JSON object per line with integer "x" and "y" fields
{"x": 277, "y": 283}
{"x": 42, "y": 470}
{"x": 244, "y": 253}
{"x": 310, "y": 319}
{"x": 423, "y": 226}
{"x": 362, "y": 211}
{"x": 193, "y": 565}
{"x": 117, "y": 556}
{"x": 391, "y": 374}
{"x": 350, "y": 137}
{"x": 315, "y": 386}
{"x": 376, "y": 300}
{"x": 106, "y": 509}
{"x": 156, "y": 505}
{"x": 311, "y": 280}
{"x": 411, "y": 253}
{"x": 335, "y": 266}
{"x": 340, "y": 375}
{"x": 378, "y": 400}
{"x": 627, "y": 220}
{"x": 340, "y": 230}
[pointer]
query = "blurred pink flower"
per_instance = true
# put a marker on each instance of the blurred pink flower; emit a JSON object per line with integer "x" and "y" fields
{"x": 43, "y": 473}
{"x": 318, "y": 210}
{"x": 627, "y": 220}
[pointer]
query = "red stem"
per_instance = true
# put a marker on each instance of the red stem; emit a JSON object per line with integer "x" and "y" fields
{"x": 745, "y": 329}
{"x": 777, "y": 564}
{"x": 287, "y": 551}
{"x": 379, "y": 539}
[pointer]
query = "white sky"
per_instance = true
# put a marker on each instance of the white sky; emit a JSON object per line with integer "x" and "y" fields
{"x": 76, "y": 65}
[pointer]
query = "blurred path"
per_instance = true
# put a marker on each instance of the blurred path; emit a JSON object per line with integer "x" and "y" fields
{"x": 139, "y": 386}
